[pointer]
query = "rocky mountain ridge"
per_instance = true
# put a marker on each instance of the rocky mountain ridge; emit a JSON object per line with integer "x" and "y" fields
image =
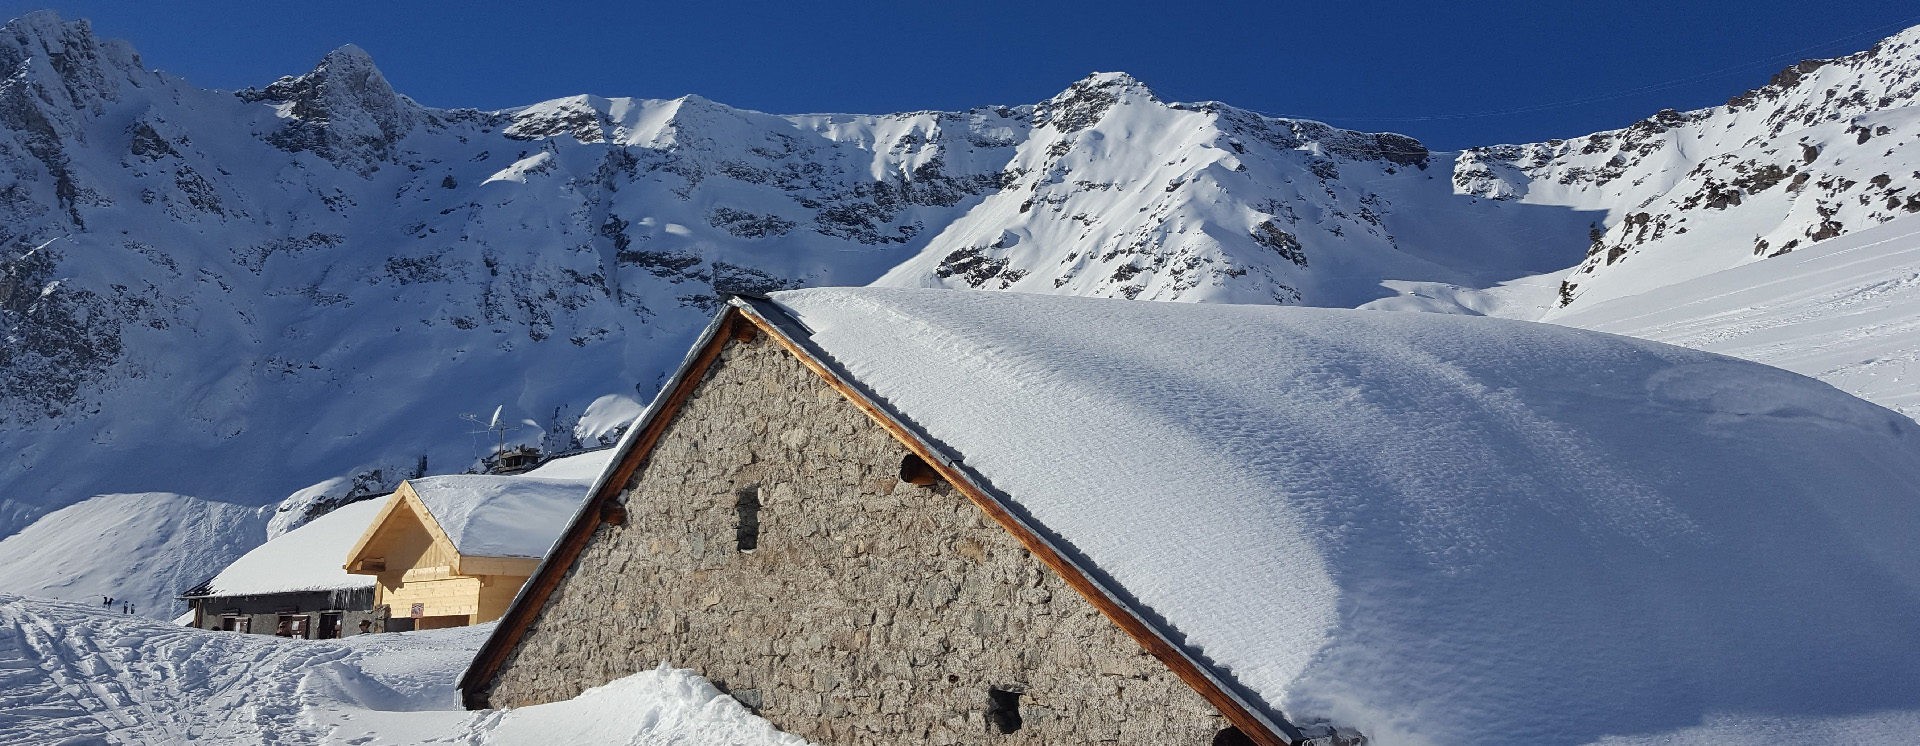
{"x": 238, "y": 295}
{"x": 1824, "y": 148}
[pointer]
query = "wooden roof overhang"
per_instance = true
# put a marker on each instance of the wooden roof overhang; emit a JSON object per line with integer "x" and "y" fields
{"x": 742, "y": 319}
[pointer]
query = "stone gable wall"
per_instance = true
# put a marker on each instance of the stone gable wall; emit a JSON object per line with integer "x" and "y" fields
{"x": 871, "y": 611}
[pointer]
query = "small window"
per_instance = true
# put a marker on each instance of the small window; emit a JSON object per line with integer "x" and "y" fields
{"x": 1003, "y": 710}
{"x": 747, "y": 506}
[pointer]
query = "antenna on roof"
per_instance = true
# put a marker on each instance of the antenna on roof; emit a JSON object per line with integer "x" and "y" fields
{"x": 496, "y": 427}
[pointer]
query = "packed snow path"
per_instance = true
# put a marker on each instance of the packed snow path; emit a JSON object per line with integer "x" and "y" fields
{"x": 77, "y": 674}
{"x": 72, "y": 671}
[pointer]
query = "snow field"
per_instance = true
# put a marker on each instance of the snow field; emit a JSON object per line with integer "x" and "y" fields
{"x": 1842, "y": 311}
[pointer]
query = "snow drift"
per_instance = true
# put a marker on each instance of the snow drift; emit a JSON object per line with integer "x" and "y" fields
{"x": 1436, "y": 529}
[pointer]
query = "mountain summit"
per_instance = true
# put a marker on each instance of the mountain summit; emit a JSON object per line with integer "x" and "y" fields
{"x": 302, "y": 287}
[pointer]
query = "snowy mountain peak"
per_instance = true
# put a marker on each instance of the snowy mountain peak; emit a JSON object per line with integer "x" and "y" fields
{"x": 1089, "y": 98}
{"x": 1824, "y": 148}
{"x": 343, "y": 110}
{"x": 360, "y": 265}
{"x": 1118, "y": 81}
{"x": 72, "y": 68}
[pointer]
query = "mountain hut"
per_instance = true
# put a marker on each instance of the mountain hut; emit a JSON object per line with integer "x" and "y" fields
{"x": 923, "y": 516}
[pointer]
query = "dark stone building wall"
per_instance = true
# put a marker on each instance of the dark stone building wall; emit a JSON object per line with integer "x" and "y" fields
{"x": 868, "y": 610}
{"x": 262, "y": 614}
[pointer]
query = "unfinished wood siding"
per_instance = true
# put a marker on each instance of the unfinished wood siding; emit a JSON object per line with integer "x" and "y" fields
{"x": 496, "y": 594}
{"x": 869, "y": 611}
{"x": 423, "y": 567}
{"x": 411, "y": 550}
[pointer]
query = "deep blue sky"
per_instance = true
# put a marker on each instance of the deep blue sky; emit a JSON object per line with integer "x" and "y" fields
{"x": 1452, "y": 74}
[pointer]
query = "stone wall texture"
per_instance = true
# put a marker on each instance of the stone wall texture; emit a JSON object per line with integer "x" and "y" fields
{"x": 870, "y": 611}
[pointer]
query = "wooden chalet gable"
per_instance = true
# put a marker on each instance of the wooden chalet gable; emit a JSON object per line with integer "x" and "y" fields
{"x": 417, "y": 564}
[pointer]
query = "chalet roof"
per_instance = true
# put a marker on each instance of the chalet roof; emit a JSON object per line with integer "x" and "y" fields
{"x": 1430, "y": 528}
{"x": 304, "y": 559}
{"x": 500, "y": 516}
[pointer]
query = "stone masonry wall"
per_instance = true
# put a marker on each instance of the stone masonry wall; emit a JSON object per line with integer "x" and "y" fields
{"x": 263, "y": 612}
{"x": 872, "y": 611}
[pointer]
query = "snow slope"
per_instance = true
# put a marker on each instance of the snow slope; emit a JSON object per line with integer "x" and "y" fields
{"x": 143, "y": 548}
{"x": 1842, "y": 311}
{"x": 1437, "y": 528}
{"x": 1825, "y": 148}
{"x": 314, "y": 279}
{"x": 73, "y": 674}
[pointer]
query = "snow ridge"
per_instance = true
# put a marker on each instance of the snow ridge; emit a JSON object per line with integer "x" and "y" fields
{"x": 361, "y": 266}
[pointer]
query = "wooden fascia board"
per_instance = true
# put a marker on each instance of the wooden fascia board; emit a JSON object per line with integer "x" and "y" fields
{"x": 628, "y": 456}
{"x": 1244, "y": 714}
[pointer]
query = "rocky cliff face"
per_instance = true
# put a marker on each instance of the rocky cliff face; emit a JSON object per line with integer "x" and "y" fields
{"x": 238, "y": 295}
{"x": 1824, "y": 148}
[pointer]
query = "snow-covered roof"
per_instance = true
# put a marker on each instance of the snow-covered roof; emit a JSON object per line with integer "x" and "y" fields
{"x": 580, "y": 466}
{"x": 500, "y": 516}
{"x": 1435, "y": 529}
{"x": 307, "y": 558}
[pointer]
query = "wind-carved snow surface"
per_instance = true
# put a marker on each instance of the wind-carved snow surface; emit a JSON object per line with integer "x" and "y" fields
{"x": 1436, "y": 529}
{"x": 73, "y": 674}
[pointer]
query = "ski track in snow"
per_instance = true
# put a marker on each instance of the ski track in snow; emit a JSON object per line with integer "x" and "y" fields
{"x": 90, "y": 673}
{"x": 73, "y": 674}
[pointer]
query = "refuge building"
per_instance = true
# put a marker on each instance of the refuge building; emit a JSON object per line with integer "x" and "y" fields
{"x": 451, "y": 551}
{"x": 293, "y": 585}
{"x": 892, "y": 516}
